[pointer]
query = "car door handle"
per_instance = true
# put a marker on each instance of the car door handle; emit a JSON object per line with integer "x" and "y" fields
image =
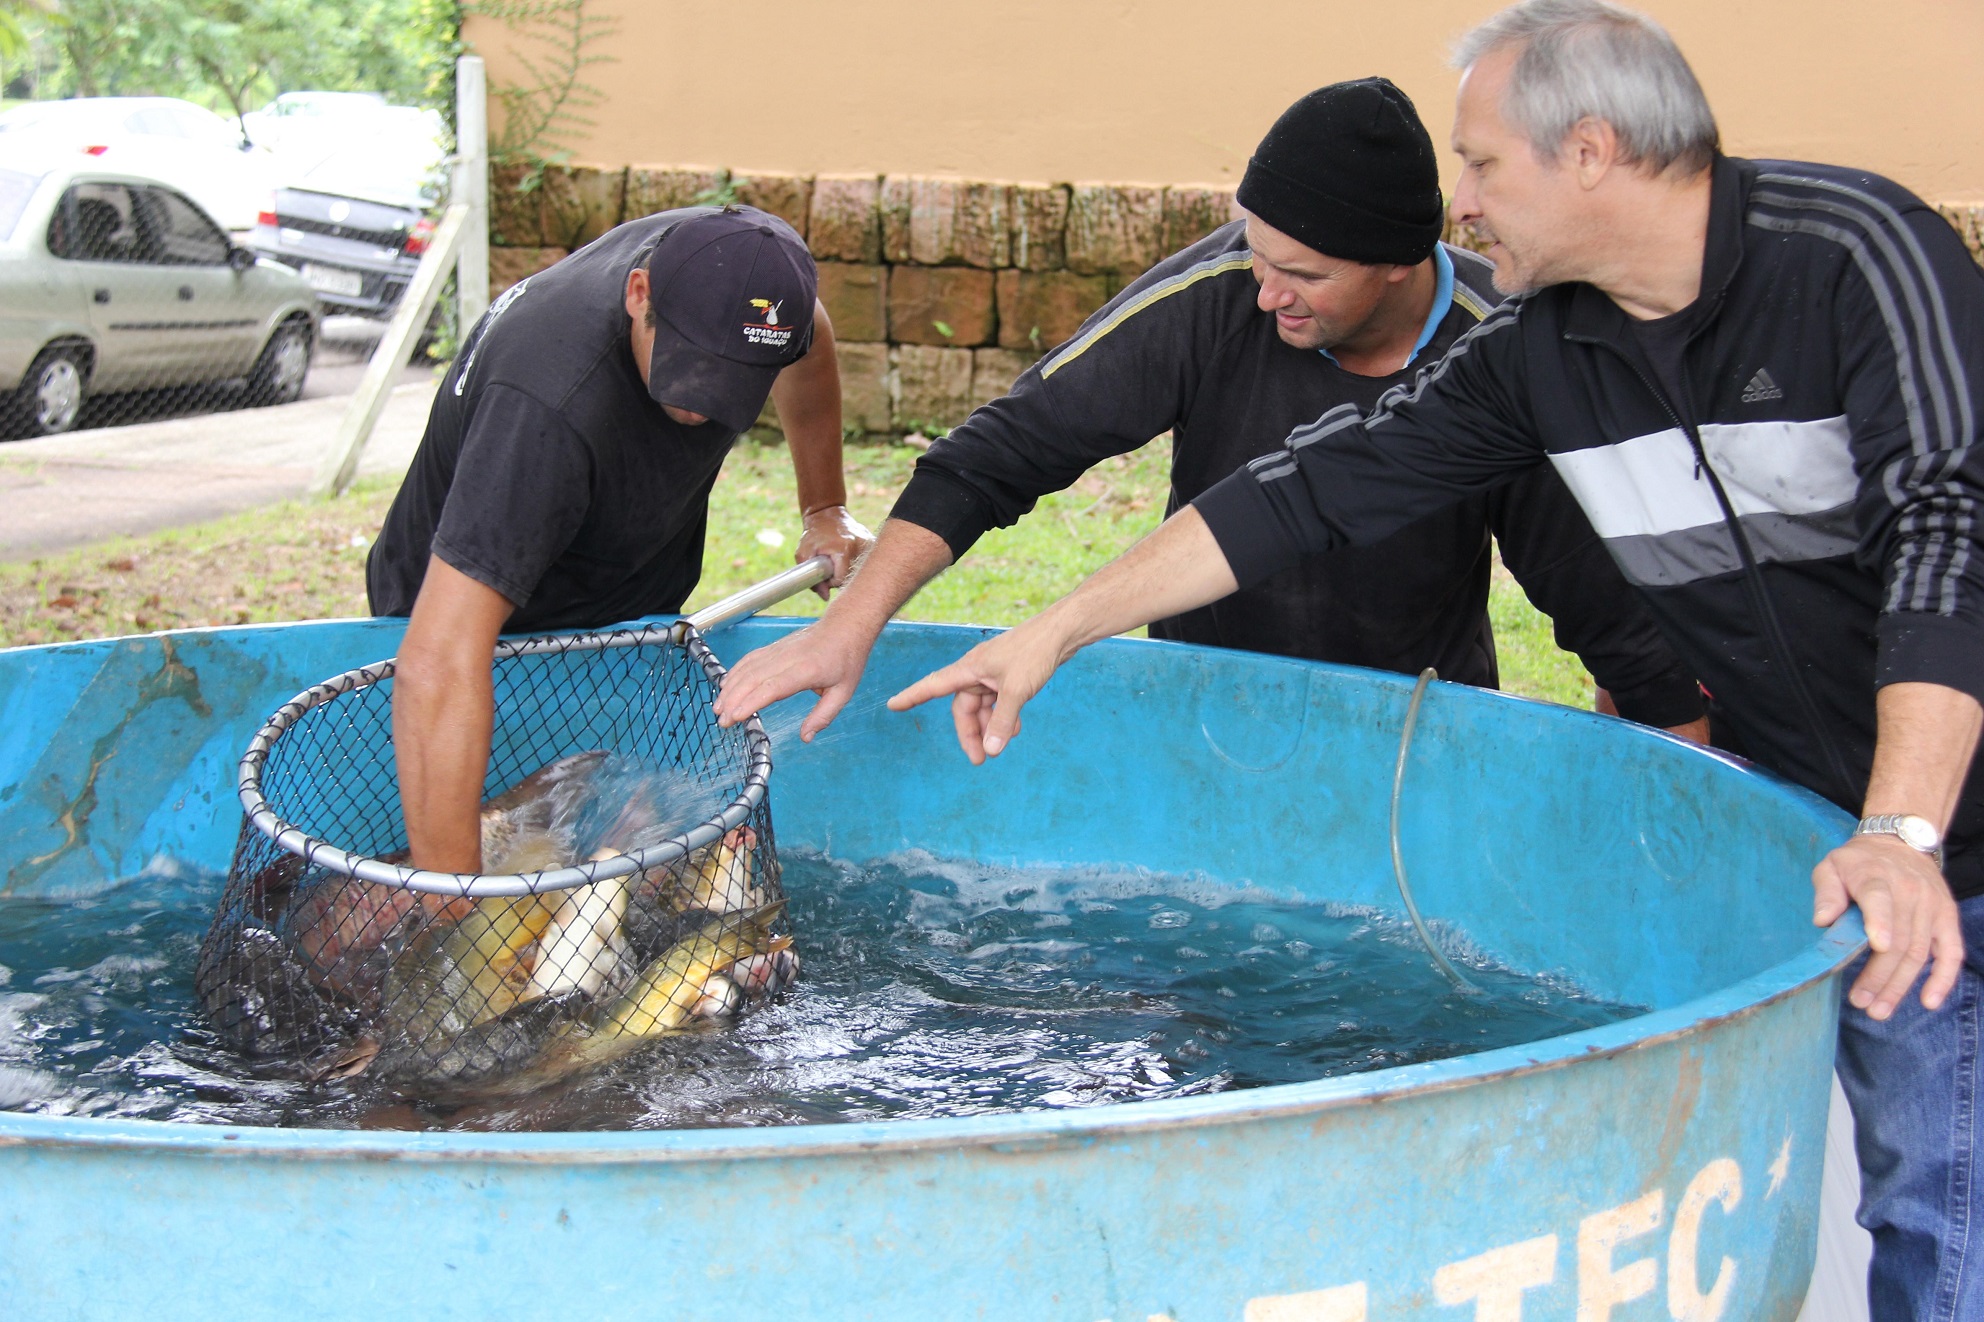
{"x": 101, "y": 296}
{"x": 185, "y": 293}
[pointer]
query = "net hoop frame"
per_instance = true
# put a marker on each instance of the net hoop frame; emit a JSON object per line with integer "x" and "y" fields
{"x": 471, "y": 885}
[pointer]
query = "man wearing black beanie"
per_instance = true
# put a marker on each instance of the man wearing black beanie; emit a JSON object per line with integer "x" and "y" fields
{"x": 1334, "y": 289}
{"x": 1349, "y": 170}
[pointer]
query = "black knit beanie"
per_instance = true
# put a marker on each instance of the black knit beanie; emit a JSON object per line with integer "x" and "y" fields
{"x": 1349, "y": 171}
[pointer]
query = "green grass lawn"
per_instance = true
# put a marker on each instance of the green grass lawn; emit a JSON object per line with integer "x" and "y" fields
{"x": 306, "y": 560}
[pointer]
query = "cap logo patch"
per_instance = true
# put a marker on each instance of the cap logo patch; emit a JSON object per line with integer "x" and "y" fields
{"x": 768, "y": 332}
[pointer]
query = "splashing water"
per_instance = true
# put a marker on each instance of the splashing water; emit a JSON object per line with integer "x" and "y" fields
{"x": 928, "y": 989}
{"x": 783, "y": 719}
{"x": 631, "y": 804}
{"x": 570, "y": 809}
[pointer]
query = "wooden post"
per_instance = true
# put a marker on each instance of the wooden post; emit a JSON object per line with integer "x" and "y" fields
{"x": 472, "y": 188}
{"x": 340, "y": 462}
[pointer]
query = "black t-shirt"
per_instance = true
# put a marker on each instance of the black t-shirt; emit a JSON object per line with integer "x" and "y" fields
{"x": 1663, "y": 341}
{"x": 547, "y": 472}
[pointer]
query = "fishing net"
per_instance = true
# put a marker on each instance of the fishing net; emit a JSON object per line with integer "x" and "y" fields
{"x": 630, "y": 892}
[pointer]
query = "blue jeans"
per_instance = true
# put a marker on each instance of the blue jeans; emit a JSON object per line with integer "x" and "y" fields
{"x": 1914, "y": 1082}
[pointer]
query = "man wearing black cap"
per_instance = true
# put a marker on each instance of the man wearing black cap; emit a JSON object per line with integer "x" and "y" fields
{"x": 1332, "y": 291}
{"x": 564, "y": 478}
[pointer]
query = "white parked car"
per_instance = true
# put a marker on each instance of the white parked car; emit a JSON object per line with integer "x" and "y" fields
{"x": 115, "y": 282}
{"x": 297, "y": 118}
{"x": 160, "y": 137}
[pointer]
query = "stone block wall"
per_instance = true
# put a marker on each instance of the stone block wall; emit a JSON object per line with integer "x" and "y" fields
{"x": 942, "y": 291}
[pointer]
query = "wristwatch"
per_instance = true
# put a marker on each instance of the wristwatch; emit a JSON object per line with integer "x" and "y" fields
{"x": 1915, "y": 832}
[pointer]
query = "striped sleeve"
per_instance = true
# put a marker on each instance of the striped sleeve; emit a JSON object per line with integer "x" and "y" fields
{"x": 1462, "y": 426}
{"x": 1910, "y": 313}
{"x": 1130, "y": 373}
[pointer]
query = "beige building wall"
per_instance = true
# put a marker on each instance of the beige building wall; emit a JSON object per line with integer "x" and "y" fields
{"x": 1171, "y": 91}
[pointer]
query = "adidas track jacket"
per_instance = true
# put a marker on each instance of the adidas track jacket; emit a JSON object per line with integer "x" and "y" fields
{"x": 1828, "y": 402}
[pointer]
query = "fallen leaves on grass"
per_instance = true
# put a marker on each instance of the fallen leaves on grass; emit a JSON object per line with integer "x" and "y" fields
{"x": 301, "y": 560}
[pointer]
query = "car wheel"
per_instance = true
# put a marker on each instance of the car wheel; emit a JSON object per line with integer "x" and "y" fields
{"x": 50, "y": 399}
{"x": 285, "y": 362}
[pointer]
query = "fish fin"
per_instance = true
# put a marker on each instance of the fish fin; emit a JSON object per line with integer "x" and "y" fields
{"x": 347, "y": 1063}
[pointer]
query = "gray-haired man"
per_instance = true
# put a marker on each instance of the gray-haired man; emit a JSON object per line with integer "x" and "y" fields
{"x": 1762, "y": 380}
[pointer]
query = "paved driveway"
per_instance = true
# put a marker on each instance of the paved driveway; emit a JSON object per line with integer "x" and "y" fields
{"x": 63, "y": 491}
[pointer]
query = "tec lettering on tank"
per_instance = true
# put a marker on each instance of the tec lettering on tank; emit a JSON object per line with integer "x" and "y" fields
{"x": 1614, "y": 1256}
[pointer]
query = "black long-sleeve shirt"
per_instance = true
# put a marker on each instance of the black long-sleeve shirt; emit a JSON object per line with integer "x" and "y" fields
{"x": 1795, "y": 487}
{"x": 1186, "y": 349}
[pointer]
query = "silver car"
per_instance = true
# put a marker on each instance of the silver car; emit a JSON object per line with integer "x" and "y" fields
{"x": 356, "y": 223}
{"x": 111, "y": 282}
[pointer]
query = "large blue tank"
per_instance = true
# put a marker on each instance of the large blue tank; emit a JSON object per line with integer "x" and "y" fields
{"x": 1664, "y": 1166}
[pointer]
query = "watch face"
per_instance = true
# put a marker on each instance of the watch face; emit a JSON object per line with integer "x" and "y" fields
{"x": 1918, "y": 834}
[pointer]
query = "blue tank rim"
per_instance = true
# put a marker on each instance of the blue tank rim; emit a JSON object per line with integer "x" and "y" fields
{"x": 1834, "y": 948}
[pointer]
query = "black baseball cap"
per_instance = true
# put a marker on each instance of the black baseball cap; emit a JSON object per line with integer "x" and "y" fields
{"x": 732, "y": 293}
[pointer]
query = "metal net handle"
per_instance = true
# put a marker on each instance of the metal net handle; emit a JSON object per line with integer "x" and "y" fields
{"x": 320, "y": 853}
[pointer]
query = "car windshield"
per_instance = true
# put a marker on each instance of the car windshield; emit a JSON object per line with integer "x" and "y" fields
{"x": 401, "y": 170}
{"x": 304, "y": 104}
{"x": 15, "y": 190}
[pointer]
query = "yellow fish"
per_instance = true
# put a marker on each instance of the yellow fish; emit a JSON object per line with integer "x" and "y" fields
{"x": 493, "y": 945}
{"x": 719, "y": 878}
{"x": 686, "y": 983}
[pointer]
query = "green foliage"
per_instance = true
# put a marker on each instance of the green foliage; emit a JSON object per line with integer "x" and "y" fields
{"x": 424, "y": 39}
{"x": 234, "y": 55}
{"x": 13, "y": 31}
{"x": 723, "y": 193}
{"x": 555, "y": 42}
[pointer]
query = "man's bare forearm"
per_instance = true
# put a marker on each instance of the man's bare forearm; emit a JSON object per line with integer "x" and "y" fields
{"x": 1926, "y": 739}
{"x": 443, "y": 713}
{"x": 1928, "y": 736}
{"x": 1176, "y": 568}
{"x": 442, "y": 718}
{"x": 807, "y": 397}
{"x": 906, "y": 556}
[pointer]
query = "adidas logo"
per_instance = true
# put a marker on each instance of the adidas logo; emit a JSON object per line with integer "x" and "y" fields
{"x": 1761, "y": 388}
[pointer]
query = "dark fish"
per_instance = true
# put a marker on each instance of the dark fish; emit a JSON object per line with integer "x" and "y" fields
{"x": 478, "y": 1056}
{"x": 533, "y": 826}
{"x": 260, "y": 999}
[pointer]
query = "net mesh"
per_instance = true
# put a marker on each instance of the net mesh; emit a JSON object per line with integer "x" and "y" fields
{"x": 630, "y": 887}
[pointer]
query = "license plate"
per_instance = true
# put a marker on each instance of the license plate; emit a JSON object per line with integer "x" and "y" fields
{"x": 330, "y": 280}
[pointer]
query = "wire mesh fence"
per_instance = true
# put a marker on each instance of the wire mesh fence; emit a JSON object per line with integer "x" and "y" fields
{"x": 135, "y": 298}
{"x": 630, "y": 886}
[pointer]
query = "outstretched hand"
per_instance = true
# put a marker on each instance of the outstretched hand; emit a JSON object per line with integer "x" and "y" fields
{"x": 1910, "y": 916}
{"x": 988, "y": 687}
{"x": 823, "y": 657}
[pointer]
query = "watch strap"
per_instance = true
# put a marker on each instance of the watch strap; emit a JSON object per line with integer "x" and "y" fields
{"x": 1907, "y": 828}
